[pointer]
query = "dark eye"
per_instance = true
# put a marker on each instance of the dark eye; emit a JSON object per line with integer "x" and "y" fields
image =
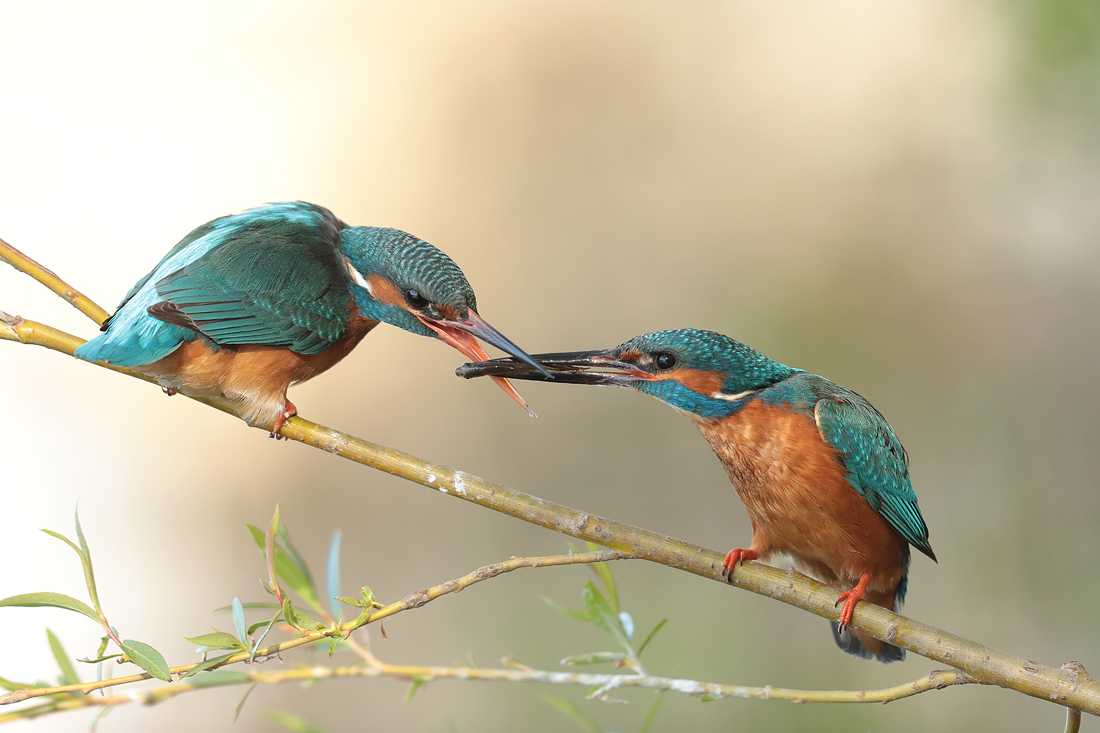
{"x": 664, "y": 360}
{"x": 415, "y": 299}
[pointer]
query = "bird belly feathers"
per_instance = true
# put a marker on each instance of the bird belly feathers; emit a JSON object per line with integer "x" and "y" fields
{"x": 794, "y": 488}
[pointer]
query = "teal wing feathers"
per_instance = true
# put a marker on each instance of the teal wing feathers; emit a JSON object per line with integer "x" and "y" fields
{"x": 877, "y": 465}
{"x": 276, "y": 283}
{"x": 269, "y": 275}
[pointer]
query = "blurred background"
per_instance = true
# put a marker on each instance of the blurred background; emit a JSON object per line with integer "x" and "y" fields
{"x": 899, "y": 196}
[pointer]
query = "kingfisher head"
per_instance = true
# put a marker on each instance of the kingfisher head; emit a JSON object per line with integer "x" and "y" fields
{"x": 408, "y": 283}
{"x": 695, "y": 371}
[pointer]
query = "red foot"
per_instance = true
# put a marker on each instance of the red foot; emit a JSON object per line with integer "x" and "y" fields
{"x": 850, "y": 599}
{"x": 733, "y": 558}
{"x": 289, "y": 411}
{"x": 170, "y": 391}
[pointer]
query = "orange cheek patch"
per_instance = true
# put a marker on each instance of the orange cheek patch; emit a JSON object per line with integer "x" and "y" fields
{"x": 448, "y": 312}
{"x": 700, "y": 382}
{"x": 385, "y": 291}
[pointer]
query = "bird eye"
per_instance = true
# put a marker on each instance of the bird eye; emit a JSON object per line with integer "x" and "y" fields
{"x": 415, "y": 299}
{"x": 664, "y": 360}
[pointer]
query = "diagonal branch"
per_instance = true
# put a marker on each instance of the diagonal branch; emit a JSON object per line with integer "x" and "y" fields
{"x": 76, "y": 299}
{"x": 1064, "y": 686}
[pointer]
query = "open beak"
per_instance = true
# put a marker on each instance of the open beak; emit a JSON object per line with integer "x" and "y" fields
{"x": 573, "y": 367}
{"x": 461, "y": 335}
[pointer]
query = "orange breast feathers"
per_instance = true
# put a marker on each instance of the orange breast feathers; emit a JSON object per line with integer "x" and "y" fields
{"x": 794, "y": 488}
{"x": 254, "y": 376}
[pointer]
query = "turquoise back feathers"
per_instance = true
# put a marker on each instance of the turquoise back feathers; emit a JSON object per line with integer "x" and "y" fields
{"x": 276, "y": 275}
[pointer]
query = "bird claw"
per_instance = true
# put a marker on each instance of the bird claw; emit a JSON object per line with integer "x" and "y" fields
{"x": 736, "y": 557}
{"x": 850, "y": 598}
{"x": 289, "y": 411}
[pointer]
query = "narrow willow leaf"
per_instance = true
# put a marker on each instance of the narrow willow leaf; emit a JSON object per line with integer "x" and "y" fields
{"x": 86, "y": 559}
{"x": 649, "y": 637}
{"x": 13, "y": 686}
{"x": 147, "y": 658}
{"x": 244, "y": 698}
{"x": 238, "y": 621}
{"x": 203, "y": 666}
{"x": 593, "y": 658}
{"x": 68, "y": 672}
{"x": 54, "y": 600}
{"x": 299, "y": 561}
{"x": 269, "y": 553}
{"x": 570, "y": 612}
{"x": 603, "y": 616}
{"x": 221, "y": 678}
{"x": 603, "y": 572}
{"x": 260, "y": 641}
{"x": 216, "y": 640}
{"x": 628, "y": 624}
{"x": 289, "y": 571}
{"x": 574, "y": 713}
{"x": 293, "y": 723}
{"x": 332, "y": 574}
{"x": 417, "y": 683}
{"x": 651, "y": 714}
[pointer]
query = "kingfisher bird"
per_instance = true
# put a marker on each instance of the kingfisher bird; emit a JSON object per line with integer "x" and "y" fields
{"x": 820, "y": 471}
{"x": 248, "y": 304}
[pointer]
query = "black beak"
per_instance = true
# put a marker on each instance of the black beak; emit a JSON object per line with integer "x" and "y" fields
{"x": 574, "y": 367}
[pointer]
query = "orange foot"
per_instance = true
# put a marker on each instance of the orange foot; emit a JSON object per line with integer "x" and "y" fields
{"x": 850, "y": 599}
{"x": 289, "y": 411}
{"x": 733, "y": 558}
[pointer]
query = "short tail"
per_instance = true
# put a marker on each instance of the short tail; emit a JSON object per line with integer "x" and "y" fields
{"x": 863, "y": 646}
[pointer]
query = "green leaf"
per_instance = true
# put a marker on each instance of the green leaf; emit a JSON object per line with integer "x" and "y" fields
{"x": 244, "y": 698}
{"x": 298, "y": 620}
{"x": 603, "y": 616}
{"x": 220, "y": 678}
{"x": 603, "y": 572}
{"x": 54, "y": 600}
{"x": 291, "y": 722}
{"x": 203, "y": 666}
{"x": 216, "y": 640}
{"x": 147, "y": 658}
{"x": 86, "y": 559}
{"x": 269, "y": 554}
{"x": 594, "y": 658}
{"x": 13, "y": 686}
{"x": 287, "y": 569}
{"x": 332, "y": 574}
{"x": 649, "y": 637}
{"x": 651, "y": 714}
{"x": 570, "y": 612}
{"x": 68, "y": 672}
{"x": 238, "y": 621}
{"x": 417, "y": 683}
{"x": 574, "y": 713}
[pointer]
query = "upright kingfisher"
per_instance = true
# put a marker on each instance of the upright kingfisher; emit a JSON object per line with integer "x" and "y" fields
{"x": 248, "y": 304}
{"x": 820, "y": 471}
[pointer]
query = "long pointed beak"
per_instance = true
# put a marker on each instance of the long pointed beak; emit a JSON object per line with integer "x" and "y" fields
{"x": 460, "y": 335}
{"x": 572, "y": 367}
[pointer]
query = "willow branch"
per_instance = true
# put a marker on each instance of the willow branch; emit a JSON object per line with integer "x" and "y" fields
{"x": 74, "y": 297}
{"x": 1063, "y": 686}
{"x": 602, "y": 682}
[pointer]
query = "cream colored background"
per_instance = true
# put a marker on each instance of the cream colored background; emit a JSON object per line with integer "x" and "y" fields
{"x": 887, "y": 194}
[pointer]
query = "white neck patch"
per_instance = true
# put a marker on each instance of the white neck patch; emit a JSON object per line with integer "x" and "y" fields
{"x": 731, "y": 397}
{"x": 355, "y": 275}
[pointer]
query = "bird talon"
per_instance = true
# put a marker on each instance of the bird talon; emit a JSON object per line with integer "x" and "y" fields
{"x": 736, "y": 557}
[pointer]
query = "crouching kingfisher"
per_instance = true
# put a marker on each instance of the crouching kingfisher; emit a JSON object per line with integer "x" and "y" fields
{"x": 248, "y": 304}
{"x": 820, "y": 471}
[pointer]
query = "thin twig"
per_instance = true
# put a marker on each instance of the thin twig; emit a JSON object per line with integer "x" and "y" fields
{"x": 984, "y": 663}
{"x": 933, "y": 681}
